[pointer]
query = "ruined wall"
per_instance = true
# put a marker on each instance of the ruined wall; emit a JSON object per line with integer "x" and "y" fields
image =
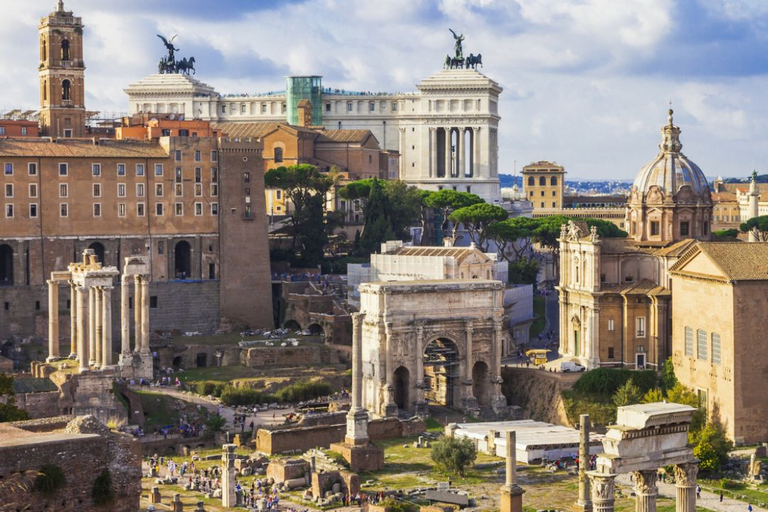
{"x": 39, "y": 405}
{"x": 538, "y": 392}
{"x": 289, "y": 356}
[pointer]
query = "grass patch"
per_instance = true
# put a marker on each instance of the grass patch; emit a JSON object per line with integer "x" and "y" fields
{"x": 433, "y": 425}
{"x": 736, "y": 490}
{"x": 218, "y": 374}
{"x": 539, "y": 313}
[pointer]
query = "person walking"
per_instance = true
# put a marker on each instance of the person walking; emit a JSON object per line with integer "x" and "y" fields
{"x": 721, "y": 496}
{"x": 698, "y": 492}
{"x": 749, "y": 508}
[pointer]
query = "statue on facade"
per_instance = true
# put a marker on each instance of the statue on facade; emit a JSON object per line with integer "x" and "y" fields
{"x": 457, "y": 46}
{"x": 169, "y": 64}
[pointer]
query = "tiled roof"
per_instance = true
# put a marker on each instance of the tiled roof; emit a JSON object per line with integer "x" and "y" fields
{"x": 344, "y": 136}
{"x": 460, "y": 253}
{"x": 739, "y": 261}
{"x": 676, "y": 249}
{"x": 241, "y": 130}
{"x": 80, "y": 148}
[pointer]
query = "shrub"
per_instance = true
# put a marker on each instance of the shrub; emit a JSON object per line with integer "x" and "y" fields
{"x": 50, "y": 479}
{"x": 231, "y": 395}
{"x": 303, "y": 390}
{"x": 606, "y": 381}
{"x": 711, "y": 448}
{"x": 205, "y": 388}
{"x": 653, "y": 396}
{"x": 452, "y": 455}
{"x": 628, "y": 394}
{"x": 103, "y": 493}
{"x": 216, "y": 423}
{"x": 392, "y": 505}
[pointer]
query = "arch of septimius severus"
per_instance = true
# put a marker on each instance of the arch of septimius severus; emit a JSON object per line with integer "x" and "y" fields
{"x": 91, "y": 288}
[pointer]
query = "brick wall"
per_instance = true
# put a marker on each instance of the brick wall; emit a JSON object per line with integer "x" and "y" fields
{"x": 290, "y": 356}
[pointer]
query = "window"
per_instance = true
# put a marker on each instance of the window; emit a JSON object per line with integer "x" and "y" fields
{"x": 640, "y": 326}
{"x": 9, "y": 190}
{"x": 158, "y": 169}
{"x": 198, "y": 189}
{"x": 531, "y": 181}
{"x": 121, "y": 209}
{"x": 689, "y": 342}
{"x": 684, "y": 228}
{"x": 63, "y": 169}
{"x": 121, "y": 190}
{"x": 279, "y": 194}
{"x": 553, "y": 204}
{"x": 96, "y": 169}
{"x": 33, "y": 210}
{"x": 179, "y": 209}
{"x": 2, "y": 128}
{"x": 177, "y": 155}
{"x": 33, "y": 190}
{"x": 97, "y": 190}
{"x": 701, "y": 344}
{"x": 121, "y": 169}
{"x": 140, "y": 209}
{"x": 278, "y": 155}
{"x": 198, "y": 175}
{"x": 371, "y": 106}
{"x": 65, "y": 50}
{"x": 283, "y": 108}
{"x": 223, "y": 109}
{"x": 263, "y": 108}
{"x": 198, "y": 156}
{"x": 214, "y": 156}
{"x": 716, "y": 354}
{"x": 8, "y": 169}
{"x": 610, "y": 353}
{"x": 159, "y": 209}
{"x": 242, "y": 108}
{"x": 63, "y": 210}
{"x": 349, "y": 106}
{"x": 214, "y": 189}
{"x": 542, "y": 181}
{"x": 66, "y": 90}
{"x": 214, "y": 208}
{"x": 553, "y": 182}
{"x": 140, "y": 190}
{"x": 394, "y": 106}
{"x": 247, "y": 177}
{"x": 165, "y": 132}
{"x": 654, "y": 228}
{"x": 214, "y": 174}
{"x": 542, "y": 204}
{"x": 158, "y": 190}
{"x": 178, "y": 175}
{"x": 32, "y": 168}
{"x": 554, "y": 193}
{"x": 97, "y": 209}
{"x": 542, "y": 193}
{"x": 63, "y": 190}
{"x": 8, "y": 211}
{"x": 327, "y": 107}
{"x": 139, "y": 169}
{"x": 198, "y": 209}
{"x": 610, "y": 324}
{"x": 179, "y": 190}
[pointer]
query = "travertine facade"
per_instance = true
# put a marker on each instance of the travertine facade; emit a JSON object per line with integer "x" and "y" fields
{"x": 720, "y": 302}
{"x": 431, "y": 341}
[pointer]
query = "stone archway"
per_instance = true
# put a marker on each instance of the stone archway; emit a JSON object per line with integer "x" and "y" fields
{"x": 441, "y": 372}
{"x": 201, "y": 360}
{"x": 292, "y": 325}
{"x": 316, "y": 330}
{"x": 481, "y": 383}
{"x": 98, "y": 249}
{"x": 402, "y": 388}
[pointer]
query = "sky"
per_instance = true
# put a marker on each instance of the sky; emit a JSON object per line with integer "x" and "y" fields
{"x": 587, "y": 83}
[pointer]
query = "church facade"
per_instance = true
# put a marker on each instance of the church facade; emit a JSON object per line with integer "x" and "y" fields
{"x": 615, "y": 293}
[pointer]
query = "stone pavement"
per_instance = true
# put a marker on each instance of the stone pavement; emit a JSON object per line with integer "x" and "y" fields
{"x": 711, "y": 500}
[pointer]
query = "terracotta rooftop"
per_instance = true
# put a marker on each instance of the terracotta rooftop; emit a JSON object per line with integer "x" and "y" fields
{"x": 344, "y": 136}
{"x": 80, "y": 148}
{"x": 460, "y": 253}
{"x": 739, "y": 261}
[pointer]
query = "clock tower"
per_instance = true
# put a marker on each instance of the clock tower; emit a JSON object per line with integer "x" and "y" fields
{"x": 62, "y": 73}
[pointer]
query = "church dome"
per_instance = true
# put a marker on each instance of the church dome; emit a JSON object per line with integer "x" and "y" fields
{"x": 671, "y": 170}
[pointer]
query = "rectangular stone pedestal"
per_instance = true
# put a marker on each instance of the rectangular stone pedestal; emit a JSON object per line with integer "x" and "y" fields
{"x": 366, "y": 457}
{"x": 511, "y": 499}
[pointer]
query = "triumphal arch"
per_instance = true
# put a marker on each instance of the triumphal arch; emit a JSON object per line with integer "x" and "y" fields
{"x": 431, "y": 342}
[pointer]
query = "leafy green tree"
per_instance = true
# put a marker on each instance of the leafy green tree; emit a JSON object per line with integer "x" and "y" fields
{"x": 680, "y": 394}
{"x": 8, "y": 410}
{"x": 628, "y": 394}
{"x": 447, "y": 200}
{"x": 311, "y": 224}
{"x": 667, "y": 380}
{"x": 476, "y": 220}
{"x": 425, "y": 216}
{"x": 711, "y": 447}
{"x": 513, "y": 236}
{"x": 377, "y": 228}
{"x": 405, "y": 207}
{"x": 758, "y": 226}
{"x": 726, "y": 234}
{"x": 359, "y": 189}
{"x": 653, "y": 396}
{"x": 216, "y": 423}
{"x": 452, "y": 455}
{"x": 523, "y": 271}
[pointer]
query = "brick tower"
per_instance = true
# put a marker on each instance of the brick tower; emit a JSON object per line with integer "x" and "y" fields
{"x": 62, "y": 75}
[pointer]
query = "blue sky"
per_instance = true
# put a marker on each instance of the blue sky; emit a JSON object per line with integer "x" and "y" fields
{"x": 586, "y": 82}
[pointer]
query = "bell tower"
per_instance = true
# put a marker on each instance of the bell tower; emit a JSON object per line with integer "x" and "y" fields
{"x": 62, "y": 75}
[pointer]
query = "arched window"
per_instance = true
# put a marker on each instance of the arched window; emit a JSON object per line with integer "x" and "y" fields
{"x": 542, "y": 181}
{"x": 98, "y": 248}
{"x": 278, "y": 155}
{"x": 553, "y": 181}
{"x": 45, "y": 90}
{"x": 66, "y": 90}
{"x": 65, "y": 50}
{"x": 531, "y": 181}
{"x": 44, "y": 50}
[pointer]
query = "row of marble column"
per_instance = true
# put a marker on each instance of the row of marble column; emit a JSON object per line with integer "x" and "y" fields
{"x": 457, "y": 168}
{"x": 646, "y": 490}
{"x": 91, "y": 321}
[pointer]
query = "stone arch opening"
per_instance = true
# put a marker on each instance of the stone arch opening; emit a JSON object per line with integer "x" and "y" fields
{"x": 441, "y": 372}
{"x": 293, "y": 325}
{"x": 6, "y": 265}
{"x": 66, "y": 90}
{"x": 481, "y": 383}
{"x": 402, "y": 387}
{"x": 182, "y": 260}
{"x": 576, "y": 328}
{"x": 98, "y": 249}
{"x": 201, "y": 360}
{"x": 177, "y": 362}
{"x": 316, "y": 330}
{"x": 65, "y": 50}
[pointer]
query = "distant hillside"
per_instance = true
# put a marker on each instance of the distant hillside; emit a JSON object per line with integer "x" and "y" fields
{"x": 577, "y": 185}
{"x": 761, "y": 178}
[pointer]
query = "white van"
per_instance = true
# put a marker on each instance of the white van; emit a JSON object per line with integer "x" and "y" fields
{"x": 570, "y": 366}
